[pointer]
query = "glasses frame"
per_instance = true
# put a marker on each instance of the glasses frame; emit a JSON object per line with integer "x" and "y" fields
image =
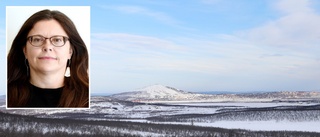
{"x": 65, "y": 39}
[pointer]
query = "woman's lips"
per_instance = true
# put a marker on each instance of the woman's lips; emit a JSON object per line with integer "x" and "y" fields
{"x": 47, "y": 58}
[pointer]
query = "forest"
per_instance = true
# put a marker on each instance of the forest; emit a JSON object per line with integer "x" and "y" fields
{"x": 280, "y": 113}
{"x": 13, "y": 125}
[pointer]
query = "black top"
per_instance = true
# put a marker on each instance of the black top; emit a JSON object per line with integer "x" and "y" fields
{"x": 44, "y": 97}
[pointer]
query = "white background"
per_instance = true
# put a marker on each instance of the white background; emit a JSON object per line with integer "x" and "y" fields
{"x": 17, "y": 15}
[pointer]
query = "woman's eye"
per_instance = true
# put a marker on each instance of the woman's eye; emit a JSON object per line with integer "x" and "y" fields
{"x": 57, "y": 40}
{"x": 36, "y": 40}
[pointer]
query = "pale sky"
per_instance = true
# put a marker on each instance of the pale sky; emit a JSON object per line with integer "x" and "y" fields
{"x": 197, "y": 45}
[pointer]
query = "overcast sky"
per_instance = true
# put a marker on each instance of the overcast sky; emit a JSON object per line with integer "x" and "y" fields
{"x": 197, "y": 45}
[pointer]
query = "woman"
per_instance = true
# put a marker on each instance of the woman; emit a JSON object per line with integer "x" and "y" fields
{"x": 48, "y": 64}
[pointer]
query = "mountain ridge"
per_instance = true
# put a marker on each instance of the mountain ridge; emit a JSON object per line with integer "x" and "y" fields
{"x": 153, "y": 92}
{"x": 158, "y": 93}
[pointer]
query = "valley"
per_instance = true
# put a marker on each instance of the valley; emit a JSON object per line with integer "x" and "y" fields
{"x": 280, "y": 112}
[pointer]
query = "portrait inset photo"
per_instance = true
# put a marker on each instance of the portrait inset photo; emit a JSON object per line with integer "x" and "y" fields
{"x": 48, "y": 56}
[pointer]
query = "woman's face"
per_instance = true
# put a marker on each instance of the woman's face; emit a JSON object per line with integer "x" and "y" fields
{"x": 47, "y": 58}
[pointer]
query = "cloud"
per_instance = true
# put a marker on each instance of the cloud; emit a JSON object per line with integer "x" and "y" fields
{"x": 124, "y": 58}
{"x": 289, "y": 7}
{"x": 135, "y": 52}
{"x": 157, "y": 15}
{"x": 296, "y": 30}
{"x": 138, "y": 52}
{"x": 145, "y": 53}
{"x": 124, "y": 40}
{"x": 283, "y": 51}
{"x": 286, "y": 47}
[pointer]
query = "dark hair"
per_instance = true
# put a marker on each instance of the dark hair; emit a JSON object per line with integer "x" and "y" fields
{"x": 76, "y": 88}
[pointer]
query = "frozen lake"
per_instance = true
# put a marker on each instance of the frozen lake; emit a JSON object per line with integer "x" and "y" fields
{"x": 310, "y": 126}
{"x": 263, "y": 125}
{"x": 249, "y": 104}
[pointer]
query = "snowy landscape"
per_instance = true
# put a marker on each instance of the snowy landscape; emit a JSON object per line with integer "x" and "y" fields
{"x": 151, "y": 110}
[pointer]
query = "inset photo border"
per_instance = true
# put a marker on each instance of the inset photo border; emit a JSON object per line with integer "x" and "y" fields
{"x": 16, "y": 16}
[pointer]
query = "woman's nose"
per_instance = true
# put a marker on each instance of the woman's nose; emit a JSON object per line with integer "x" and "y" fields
{"x": 47, "y": 46}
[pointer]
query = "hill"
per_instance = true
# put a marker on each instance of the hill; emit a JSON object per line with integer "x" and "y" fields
{"x": 156, "y": 92}
{"x": 160, "y": 93}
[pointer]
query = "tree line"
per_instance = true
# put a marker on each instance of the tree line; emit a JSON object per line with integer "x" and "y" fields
{"x": 12, "y": 125}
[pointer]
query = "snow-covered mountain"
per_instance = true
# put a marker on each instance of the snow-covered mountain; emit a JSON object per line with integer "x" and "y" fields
{"x": 156, "y": 92}
{"x": 159, "y": 93}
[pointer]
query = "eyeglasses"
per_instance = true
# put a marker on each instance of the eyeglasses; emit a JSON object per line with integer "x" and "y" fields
{"x": 38, "y": 40}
